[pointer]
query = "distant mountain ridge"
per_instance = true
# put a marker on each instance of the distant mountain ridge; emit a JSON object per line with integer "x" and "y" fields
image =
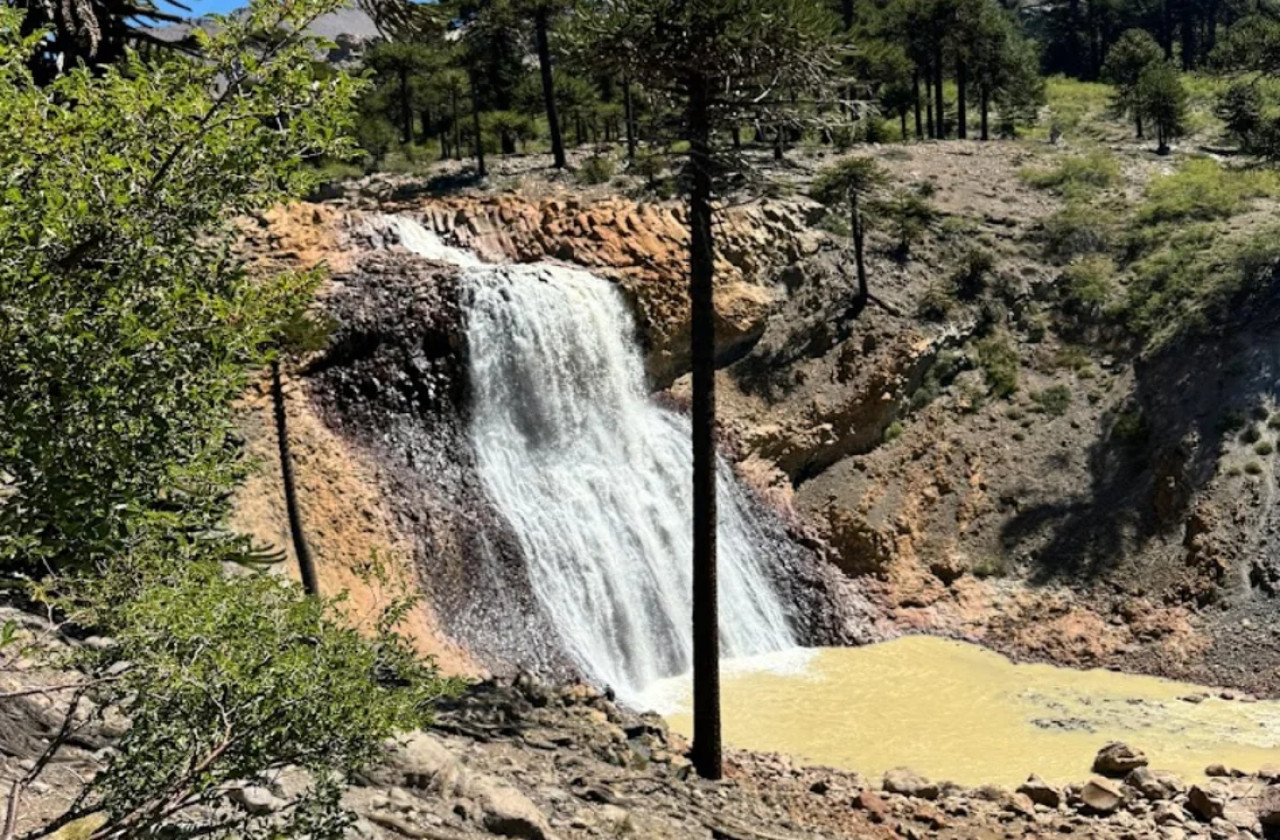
{"x": 350, "y": 28}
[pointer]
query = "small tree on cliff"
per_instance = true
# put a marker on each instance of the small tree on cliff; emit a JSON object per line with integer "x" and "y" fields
{"x": 718, "y": 61}
{"x": 842, "y": 185}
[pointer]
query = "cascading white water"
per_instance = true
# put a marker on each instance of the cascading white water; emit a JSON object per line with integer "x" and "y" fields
{"x": 594, "y": 477}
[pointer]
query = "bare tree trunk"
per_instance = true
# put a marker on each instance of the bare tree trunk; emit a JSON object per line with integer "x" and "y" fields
{"x": 939, "y": 114}
{"x": 986, "y": 109}
{"x": 475, "y": 124}
{"x": 629, "y": 114}
{"x": 707, "y": 758}
{"x": 548, "y": 86}
{"x": 928, "y": 102}
{"x": 306, "y": 568}
{"x": 864, "y": 292}
{"x": 846, "y": 13}
{"x": 406, "y": 108}
{"x": 962, "y": 90}
{"x": 457, "y": 125}
{"x": 915, "y": 86}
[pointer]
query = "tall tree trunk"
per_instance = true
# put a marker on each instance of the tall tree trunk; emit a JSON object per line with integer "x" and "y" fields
{"x": 481, "y": 171}
{"x": 855, "y": 221}
{"x": 940, "y": 114}
{"x": 928, "y": 102}
{"x": 425, "y": 119}
{"x": 548, "y": 85}
{"x": 707, "y": 757}
{"x": 457, "y": 124}
{"x": 1137, "y": 122}
{"x": 846, "y": 13}
{"x": 629, "y": 114}
{"x": 736, "y": 134}
{"x": 1166, "y": 30}
{"x": 777, "y": 142}
{"x": 986, "y": 110}
{"x": 406, "y": 109}
{"x": 902, "y": 118}
{"x": 962, "y": 114}
{"x": 915, "y": 86}
{"x": 306, "y": 568}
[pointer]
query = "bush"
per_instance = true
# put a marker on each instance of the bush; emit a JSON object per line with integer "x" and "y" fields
{"x": 970, "y": 276}
{"x": 1253, "y": 468}
{"x": 1240, "y": 109}
{"x": 1203, "y": 189}
{"x": 647, "y": 165}
{"x": 596, "y": 169}
{"x": 990, "y": 565}
{"x": 1053, "y": 401}
{"x": 1087, "y": 285}
{"x": 893, "y": 431}
{"x": 227, "y": 679}
{"x": 1078, "y": 229}
{"x": 998, "y": 358}
{"x": 1076, "y": 176}
{"x": 1130, "y": 427}
{"x": 936, "y": 304}
{"x": 1264, "y": 447}
{"x": 906, "y": 214}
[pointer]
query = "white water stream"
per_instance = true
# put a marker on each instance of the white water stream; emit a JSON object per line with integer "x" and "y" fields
{"x": 593, "y": 476}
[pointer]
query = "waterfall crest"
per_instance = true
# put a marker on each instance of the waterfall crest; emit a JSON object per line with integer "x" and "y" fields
{"x": 595, "y": 477}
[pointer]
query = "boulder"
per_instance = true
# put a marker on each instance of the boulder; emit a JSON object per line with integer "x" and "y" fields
{"x": 256, "y": 800}
{"x": 1118, "y": 759}
{"x": 1206, "y": 801}
{"x": 1101, "y": 796}
{"x": 1155, "y": 785}
{"x": 907, "y": 782}
{"x": 1269, "y": 807}
{"x": 875, "y": 806}
{"x": 1040, "y": 792}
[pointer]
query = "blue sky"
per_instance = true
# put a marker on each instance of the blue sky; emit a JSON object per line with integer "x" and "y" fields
{"x": 205, "y": 7}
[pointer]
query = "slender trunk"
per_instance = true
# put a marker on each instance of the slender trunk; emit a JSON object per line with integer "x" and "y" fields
{"x": 1137, "y": 122}
{"x": 928, "y": 102}
{"x": 864, "y": 293}
{"x": 406, "y": 109}
{"x": 777, "y": 142}
{"x": 306, "y": 568}
{"x": 846, "y": 13}
{"x": 475, "y": 126}
{"x": 629, "y": 114}
{"x": 457, "y": 126}
{"x": 986, "y": 110}
{"x": 444, "y": 143}
{"x": 548, "y": 86}
{"x": 707, "y": 757}
{"x": 915, "y": 86}
{"x": 1166, "y": 30}
{"x": 902, "y": 117}
{"x": 736, "y": 134}
{"x": 940, "y": 116}
{"x": 425, "y": 119}
{"x": 962, "y": 114}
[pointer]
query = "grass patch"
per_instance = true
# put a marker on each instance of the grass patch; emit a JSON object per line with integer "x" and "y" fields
{"x": 1264, "y": 447}
{"x": 893, "y": 431}
{"x": 1053, "y": 401}
{"x": 1253, "y": 468}
{"x": 1075, "y": 176}
{"x": 1078, "y": 229}
{"x": 1076, "y": 106}
{"x": 1203, "y": 189}
{"x": 990, "y": 566}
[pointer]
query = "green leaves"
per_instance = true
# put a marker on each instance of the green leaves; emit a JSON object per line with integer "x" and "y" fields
{"x": 128, "y": 329}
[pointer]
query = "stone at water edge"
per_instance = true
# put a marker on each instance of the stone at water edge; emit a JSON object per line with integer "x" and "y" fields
{"x": 1155, "y": 785}
{"x": 1269, "y": 807}
{"x": 1118, "y": 759}
{"x": 907, "y": 782}
{"x": 1102, "y": 795}
{"x": 1040, "y": 792}
{"x": 1206, "y": 802}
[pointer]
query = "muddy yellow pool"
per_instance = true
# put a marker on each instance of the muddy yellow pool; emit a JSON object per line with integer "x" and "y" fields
{"x": 958, "y": 712}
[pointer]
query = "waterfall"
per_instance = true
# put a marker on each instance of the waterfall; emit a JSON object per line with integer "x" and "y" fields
{"x": 594, "y": 477}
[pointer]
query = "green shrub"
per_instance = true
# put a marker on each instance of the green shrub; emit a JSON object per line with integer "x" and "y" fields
{"x": 1203, "y": 189}
{"x": 649, "y": 166}
{"x": 596, "y": 169}
{"x": 1076, "y": 176}
{"x": 1087, "y": 284}
{"x": 1078, "y": 229}
{"x": 905, "y": 214}
{"x": 893, "y": 431}
{"x": 1264, "y": 447}
{"x": 970, "y": 276}
{"x": 1053, "y": 401}
{"x": 936, "y": 304}
{"x": 998, "y": 358}
{"x": 1253, "y": 468}
{"x": 1130, "y": 427}
{"x": 1240, "y": 108}
{"x": 990, "y": 565}
{"x": 1251, "y": 434}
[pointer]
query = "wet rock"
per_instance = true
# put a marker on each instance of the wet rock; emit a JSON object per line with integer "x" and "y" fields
{"x": 1206, "y": 801}
{"x": 1101, "y": 796}
{"x": 1040, "y": 792}
{"x": 907, "y": 782}
{"x": 1118, "y": 759}
{"x": 1222, "y": 771}
{"x": 1155, "y": 785}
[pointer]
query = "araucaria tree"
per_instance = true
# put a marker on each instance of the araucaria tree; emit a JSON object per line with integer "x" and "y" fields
{"x": 1162, "y": 101}
{"x": 843, "y": 185}
{"x": 1129, "y": 57}
{"x": 721, "y": 61}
